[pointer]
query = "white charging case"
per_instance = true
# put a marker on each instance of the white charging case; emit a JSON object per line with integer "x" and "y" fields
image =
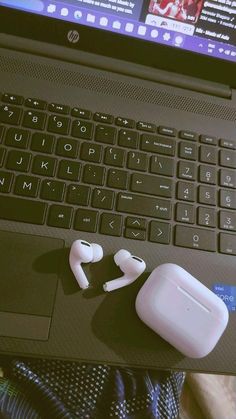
{"x": 182, "y": 310}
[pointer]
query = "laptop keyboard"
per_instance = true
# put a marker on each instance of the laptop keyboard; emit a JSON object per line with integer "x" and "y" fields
{"x": 95, "y": 172}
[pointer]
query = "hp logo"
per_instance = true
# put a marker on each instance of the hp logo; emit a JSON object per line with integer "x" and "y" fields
{"x": 73, "y": 36}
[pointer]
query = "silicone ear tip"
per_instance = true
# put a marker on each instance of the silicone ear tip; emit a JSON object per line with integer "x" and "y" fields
{"x": 120, "y": 256}
{"x": 97, "y": 252}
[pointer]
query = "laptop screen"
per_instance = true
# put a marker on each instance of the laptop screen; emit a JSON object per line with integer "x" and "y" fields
{"x": 202, "y": 26}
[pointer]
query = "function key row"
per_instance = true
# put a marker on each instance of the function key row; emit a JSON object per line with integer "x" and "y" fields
{"x": 78, "y": 112}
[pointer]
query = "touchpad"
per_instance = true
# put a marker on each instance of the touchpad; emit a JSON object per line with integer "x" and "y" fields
{"x": 29, "y": 268}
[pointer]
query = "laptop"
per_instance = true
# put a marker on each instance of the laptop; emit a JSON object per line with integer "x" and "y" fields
{"x": 117, "y": 127}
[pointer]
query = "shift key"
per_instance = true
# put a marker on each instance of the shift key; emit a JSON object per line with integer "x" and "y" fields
{"x": 24, "y": 210}
{"x": 144, "y": 205}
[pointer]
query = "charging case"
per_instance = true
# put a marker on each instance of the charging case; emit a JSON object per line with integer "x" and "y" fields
{"x": 182, "y": 310}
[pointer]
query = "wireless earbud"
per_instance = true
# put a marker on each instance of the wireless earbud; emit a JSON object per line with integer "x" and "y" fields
{"x": 83, "y": 252}
{"x": 132, "y": 266}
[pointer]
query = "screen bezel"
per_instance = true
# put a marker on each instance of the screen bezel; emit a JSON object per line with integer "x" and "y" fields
{"x": 130, "y": 49}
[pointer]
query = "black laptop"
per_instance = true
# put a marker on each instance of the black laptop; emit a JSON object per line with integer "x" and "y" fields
{"x": 118, "y": 127}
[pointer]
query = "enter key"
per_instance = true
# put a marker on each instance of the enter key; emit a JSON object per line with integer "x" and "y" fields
{"x": 153, "y": 185}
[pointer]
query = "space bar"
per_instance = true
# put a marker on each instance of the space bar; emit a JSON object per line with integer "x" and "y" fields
{"x": 25, "y": 210}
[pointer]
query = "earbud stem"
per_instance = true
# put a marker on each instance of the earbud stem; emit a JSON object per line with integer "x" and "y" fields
{"x": 81, "y": 277}
{"x": 117, "y": 283}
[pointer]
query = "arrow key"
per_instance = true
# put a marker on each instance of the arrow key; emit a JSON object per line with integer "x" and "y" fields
{"x": 135, "y": 234}
{"x": 159, "y": 232}
{"x": 136, "y": 222}
{"x": 111, "y": 224}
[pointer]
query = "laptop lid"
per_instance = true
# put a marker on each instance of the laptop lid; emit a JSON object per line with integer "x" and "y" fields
{"x": 191, "y": 37}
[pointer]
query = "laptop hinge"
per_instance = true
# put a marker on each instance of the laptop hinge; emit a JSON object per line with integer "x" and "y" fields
{"x": 116, "y": 66}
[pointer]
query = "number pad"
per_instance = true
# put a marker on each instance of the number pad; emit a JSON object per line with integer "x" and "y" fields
{"x": 207, "y": 195}
{"x": 228, "y": 178}
{"x": 228, "y": 220}
{"x": 186, "y": 170}
{"x": 207, "y": 174}
{"x": 185, "y": 213}
{"x": 228, "y": 199}
{"x": 208, "y": 154}
{"x": 207, "y": 217}
{"x": 186, "y": 191}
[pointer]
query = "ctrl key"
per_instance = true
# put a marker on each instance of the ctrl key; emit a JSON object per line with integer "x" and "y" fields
{"x": 228, "y": 243}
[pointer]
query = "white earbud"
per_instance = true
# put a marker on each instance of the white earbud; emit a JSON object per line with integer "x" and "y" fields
{"x": 83, "y": 252}
{"x": 132, "y": 266}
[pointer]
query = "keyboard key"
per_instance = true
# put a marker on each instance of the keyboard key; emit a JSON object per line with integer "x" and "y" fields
{"x": 128, "y": 138}
{"x": 81, "y": 113}
{"x": 146, "y": 126}
{"x": 186, "y": 191}
{"x": 26, "y": 186}
{"x": 6, "y": 179}
{"x": 159, "y": 232}
{"x": 228, "y": 158}
{"x": 228, "y": 220}
{"x": 58, "y": 108}
{"x": 58, "y": 124}
{"x": 228, "y": 199}
{"x": 187, "y": 150}
{"x": 86, "y": 220}
{"x": 188, "y": 135}
{"x": 157, "y": 144}
{"x": 43, "y": 143}
{"x": 111, "y": 224}
{"x": 60, "y": 216}
{"x": 208, "y": 139}
{"x": 228, "y": 243}
{"x": 103, "y": 198}
{"x": 228, "y": 178}
{"x": 105, "y": 134}
{"x": 125, "y": 122}
{"x": 153, "y": 185}
{"x": 228, "y": 144}
{"x": 16, "y": 137}
{"x": 207, "y": 217}
{"x": 14, "y": 99}
{"x": 18, "y": 160}
{"x": 52, "y": 190}
{"x": 44, "y": 165}
{"x": 35, "y": 103}
{"x": 2, "y": 155}
{"x": 91, "y": 152}
{"x": 137, "y": 161}
{"x": 187, "y": 170}
{"x": 136, "y": 222}
{"x": 117, "y": 179}
{"x": 144, "y": 205}
{"x": 171, "y": 132}
{"x": 114, "y": 156}
{"x": 10, "y": 114}
{"x": 207, "y": 195}
{"x": 93, "y": 174}
{"x": 24, "y": 210}
{"x": 185, "y": 213}
{"x": 69, "y": 170}
{"x": 207, "y": 174}
{"x": 35, "y": 120}
{"x": 208, "y": 154}
{"x": 195, "y": 238}
{"x": 67, "y": 147}
{"x": 103, "y": 117}
{"x": 135, "y": 234}
{"x": 162, "y": 165}
{"x": 82, "y": 129}
{"x": 78, "y": 194}
{"x": 2, "y": 130}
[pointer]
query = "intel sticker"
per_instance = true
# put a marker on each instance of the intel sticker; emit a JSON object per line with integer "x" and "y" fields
{"x": 227, "y": 293}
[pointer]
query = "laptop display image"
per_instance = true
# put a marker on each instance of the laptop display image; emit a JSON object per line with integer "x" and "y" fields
{"x": 117, "y": 127}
